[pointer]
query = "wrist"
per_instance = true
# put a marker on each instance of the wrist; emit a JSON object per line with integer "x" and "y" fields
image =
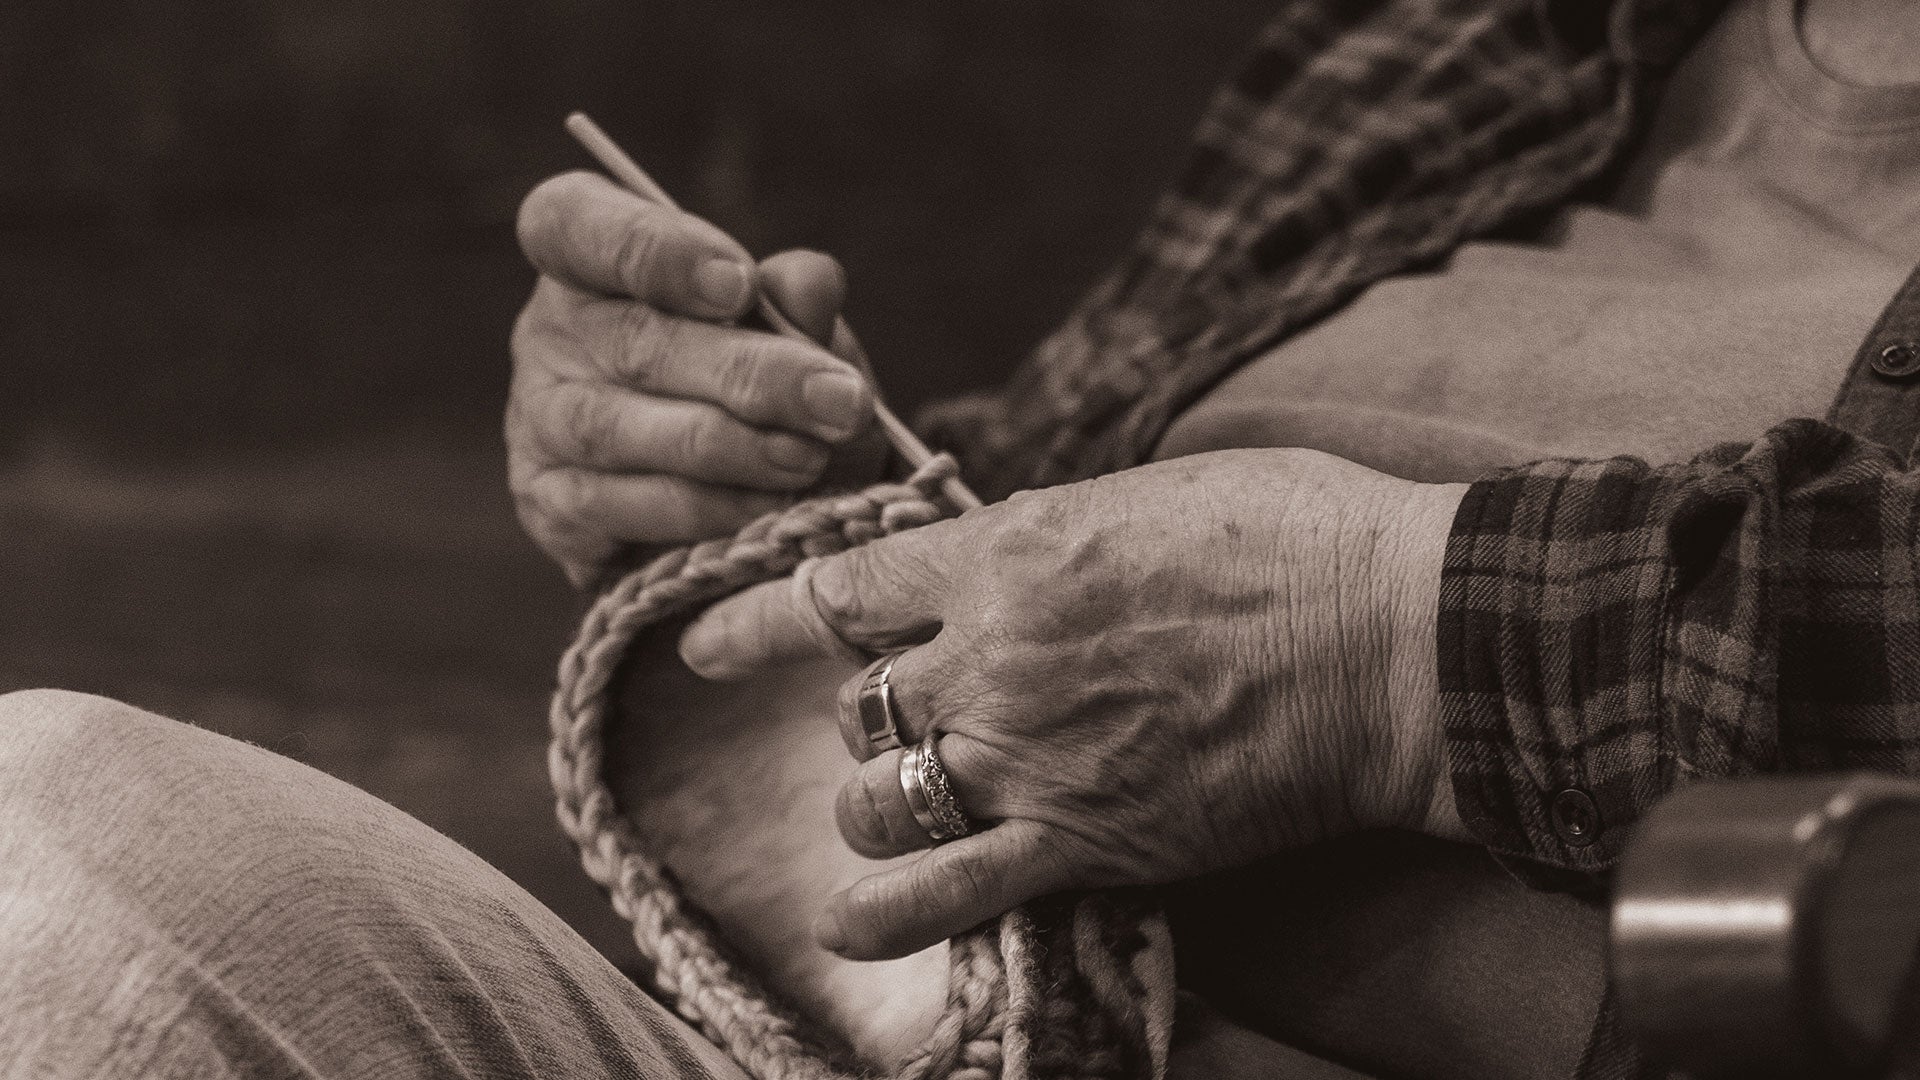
{"x": 1412, "y": 548}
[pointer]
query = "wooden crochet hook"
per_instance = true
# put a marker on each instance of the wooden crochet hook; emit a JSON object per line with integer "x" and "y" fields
{"x": 904, "y": 441}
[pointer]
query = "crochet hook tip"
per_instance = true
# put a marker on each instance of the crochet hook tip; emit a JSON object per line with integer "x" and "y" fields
{"x": 629, "y": 173}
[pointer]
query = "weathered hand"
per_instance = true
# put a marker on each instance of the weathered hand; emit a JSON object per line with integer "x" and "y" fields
{"x": 1138, "y": 678}
{"x": 638, "y": 413}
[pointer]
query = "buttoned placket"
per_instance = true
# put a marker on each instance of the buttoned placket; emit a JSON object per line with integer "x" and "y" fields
{"x": 1880, "y": 397}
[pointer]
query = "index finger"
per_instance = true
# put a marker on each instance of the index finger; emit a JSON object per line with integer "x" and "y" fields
{"x": 596, "y": 236}
{"x": 886, "y": 595}
{"x": 946, "y": 891}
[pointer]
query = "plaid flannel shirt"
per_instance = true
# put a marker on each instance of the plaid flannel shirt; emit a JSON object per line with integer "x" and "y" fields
{"x": 1606, "y": 629}
{"x": 1360, "y": 139}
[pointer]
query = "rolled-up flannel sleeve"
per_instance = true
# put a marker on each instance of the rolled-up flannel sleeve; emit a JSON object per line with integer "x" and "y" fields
{"x": 1609, "y": 630}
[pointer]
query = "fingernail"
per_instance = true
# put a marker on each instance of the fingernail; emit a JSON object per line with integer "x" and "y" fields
{"x": 700, "y": 660}
{"x": 722, "y": 283}
{"x": 837, "y": 401}
{"x": 793, "y": 453}
{"x": 829, "y": 935}
{"x": 704, "y": 649}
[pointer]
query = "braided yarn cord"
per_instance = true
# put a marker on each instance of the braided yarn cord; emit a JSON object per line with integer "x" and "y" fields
{"x": 993, "y": 1002}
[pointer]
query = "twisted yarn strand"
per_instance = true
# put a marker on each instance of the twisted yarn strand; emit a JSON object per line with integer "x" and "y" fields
{"x": 986, "y": 1031}
{"x": 690, "y": 969}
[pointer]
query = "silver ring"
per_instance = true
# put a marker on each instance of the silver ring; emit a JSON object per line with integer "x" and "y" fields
{"x": 869, "y": 715}
{"x": 923, "y": 780}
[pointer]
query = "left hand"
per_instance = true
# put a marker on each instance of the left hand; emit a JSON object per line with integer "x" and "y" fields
{"x": 1138, "y": 678}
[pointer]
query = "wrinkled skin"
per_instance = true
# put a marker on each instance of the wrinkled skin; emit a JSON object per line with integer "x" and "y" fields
{"x": 1139, "y": 678}
{"x": 641, "y": 411}
{"x": 1143, "y": 677}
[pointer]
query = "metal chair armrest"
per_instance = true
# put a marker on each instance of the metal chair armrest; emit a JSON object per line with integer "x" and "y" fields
{"x": 1766, "y": 927}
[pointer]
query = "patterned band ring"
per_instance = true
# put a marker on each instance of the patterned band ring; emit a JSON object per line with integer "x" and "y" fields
{"x": 923, "y": 780}
{"x": 869, "y": 714}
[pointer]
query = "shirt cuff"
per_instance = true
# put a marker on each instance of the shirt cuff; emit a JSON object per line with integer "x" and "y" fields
{"x": 1551, "y": 641}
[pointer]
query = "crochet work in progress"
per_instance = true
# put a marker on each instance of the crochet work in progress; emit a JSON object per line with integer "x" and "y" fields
{"x": 1069, "y": 987}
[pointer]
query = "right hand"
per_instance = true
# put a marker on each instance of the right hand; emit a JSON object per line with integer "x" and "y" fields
{"x": 638, "y": 413}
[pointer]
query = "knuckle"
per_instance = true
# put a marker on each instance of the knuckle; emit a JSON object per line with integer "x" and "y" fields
{"x": 837, "y": 589}
{"x": 742, "y": 379}
{"x": 867, "y": 911}
{"x": 535, "y": 326}
{"x": 562, "y": 495}
{"x": 1004, "y": 621}
{"x": 636, "y": 251}
{"x": 862, "y": 819}
{"x": 645, "y": 342}
{"x": 553, "y": 342}
{"x": 693, "y": 444}
{"x": 589, "y": 427}
{"x": 557, "y": 542}
{"x": 963, "y": 881}
{"x": 1020, "y": 539}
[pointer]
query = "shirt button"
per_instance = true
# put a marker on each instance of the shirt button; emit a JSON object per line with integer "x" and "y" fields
{"x": 1898, "y": 360}
{"x": 1576, "y": 821}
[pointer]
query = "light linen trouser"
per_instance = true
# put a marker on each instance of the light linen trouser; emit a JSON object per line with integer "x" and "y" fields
{"x": 174, "y": 903}
{"x": 177, "y": 904}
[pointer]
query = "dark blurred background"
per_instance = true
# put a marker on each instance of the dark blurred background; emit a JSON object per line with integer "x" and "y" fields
{"x": 257, "y": 273}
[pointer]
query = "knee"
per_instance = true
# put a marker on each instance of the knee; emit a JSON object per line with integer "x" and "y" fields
{"x": 108, "y": 775}
{"x": 59, "y": 709}
{"x": 56, "y": 727}
{"x": 70, "y": 757}
{"x": 77, "y": 763}
{"x": 146, "y": 797}
{"x": 51, "y": 719}
{"x": 79, "y": 769}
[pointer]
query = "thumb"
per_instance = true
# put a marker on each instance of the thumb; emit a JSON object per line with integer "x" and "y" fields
{"x": 809, "y": 288}
{"x": 950, "y": 889}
